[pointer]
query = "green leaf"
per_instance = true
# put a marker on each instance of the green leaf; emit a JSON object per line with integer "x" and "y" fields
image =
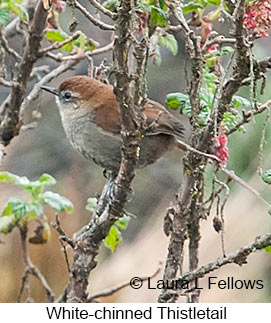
{"x": 15, "y": 206}
{"x": 214, "y": 2}
{"x": 15, "y": 179}
{"x": 268, "y": 249}
{"x": 123, "y": 222}
{"x": 204, "y": 116}
{"x": 81, "y": 41}
{"x": 191, "y": 6}
{"x": 170, "y": 42}
{"x": 230, "y": 120}
{"x": 34, "y": 209}
{"x": 47, "y": 180}
{"x": 207, "y": 98}
{"x": 158, "y": 17}
{"x": 143, "y": 6}
{"x": 239, "y": 101}
{"x": 266, "y": 176}
{"x": 113, "y": 238}
{"x": 110, "y": 4}
{"x": 178, "y": 100}
{"x": 4, "y": 17}
{"x": 226, "y": 50}
{"x": 55, "y": 35}
{"x": 210, "y": 80}
{"x": 56, "y": 201}
{"x": 90, "y": 44}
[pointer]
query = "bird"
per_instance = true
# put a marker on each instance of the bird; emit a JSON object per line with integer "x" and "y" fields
{"x": 91, "y": 120}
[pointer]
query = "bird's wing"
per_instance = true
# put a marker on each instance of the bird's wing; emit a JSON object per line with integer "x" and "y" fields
{"x": 159, "y": 120}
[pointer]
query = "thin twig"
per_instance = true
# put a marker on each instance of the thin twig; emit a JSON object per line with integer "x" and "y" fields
{"x": 101, "y": 8}
{"x": 240, "y": 181}
{"x": 247, "y": 116}
{"x": 63, "y": 237}
{"x": 113, "y": 290}
{"x": 238, "y": 257}
{"x": 8, "y": 49}
{"x": 63, "y": 67}
{"x": 220, "y": 40}
{"x": 95, "y": 21}
{"x": 30, "y": 269}
{"x": 60, "y": 44}
{"x": 7, "y": 83}
{"x": 80, "y": 55}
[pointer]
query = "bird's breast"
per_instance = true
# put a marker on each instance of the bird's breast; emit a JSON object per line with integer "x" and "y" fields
{"x": 93, "y": 142}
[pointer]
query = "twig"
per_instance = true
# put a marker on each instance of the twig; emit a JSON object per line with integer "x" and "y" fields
{"x": 7, "y": 83}
{"x": 105, "y": 11}
{"x": 238, "y": 257}
{"x": 58, "y": 45}
{"x": 221, "y": 40}
{"x": 62, "y": 68}
{"x": 63, "y": 237}
{"x": 30, "y": 269}
{"x": 239, "y": 180}
{"x": 113, "y": 290}
{"x": 8, "y": 49}
{"x": 247, "y": 116}
{"x": 80, "y": 55}
{"x": 95, "y": 21}
{"x": 10, "y": 126}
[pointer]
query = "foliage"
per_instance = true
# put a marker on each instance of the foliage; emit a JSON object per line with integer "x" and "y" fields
{"x": 81, "y": 42}
{"x": 18, "y": 212}
{"x": 9, "y": 7}
{"x": 114, "y": 237}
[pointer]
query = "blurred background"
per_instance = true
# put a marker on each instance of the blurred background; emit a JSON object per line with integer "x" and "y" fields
{"x": 45, "y": 149}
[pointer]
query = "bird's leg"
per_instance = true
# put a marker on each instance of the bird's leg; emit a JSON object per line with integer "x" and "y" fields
{"x": 107, "y": 193}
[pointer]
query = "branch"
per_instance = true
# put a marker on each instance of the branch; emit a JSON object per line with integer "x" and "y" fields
{"x": 30, "y": 269}
{"x": 94, "y": 20}
{"x": 62, "y": 68}
{"x": 247, "y": 115}
{"x": 185, "y": 223}
{"x": 218, "y": 40}
{"x": 10, "y": 126}
{"x": 113, "y": 290}
{"x": 105, "y": 11}
{"x": 58, "y": 45}
{"x": 114, "y": 196}
{"x": 238, "y": 257}
{"x": 237, "y": 179}
{"x": 7, "y": 83}
{"x": 9, "y": 50}
{"x": 81, "y": 55}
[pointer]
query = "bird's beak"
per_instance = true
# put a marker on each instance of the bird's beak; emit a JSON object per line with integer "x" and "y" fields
{"x": 49, "y": 89}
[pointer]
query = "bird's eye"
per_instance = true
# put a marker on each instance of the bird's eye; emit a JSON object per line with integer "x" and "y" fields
{"x": 67, "y": 96}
